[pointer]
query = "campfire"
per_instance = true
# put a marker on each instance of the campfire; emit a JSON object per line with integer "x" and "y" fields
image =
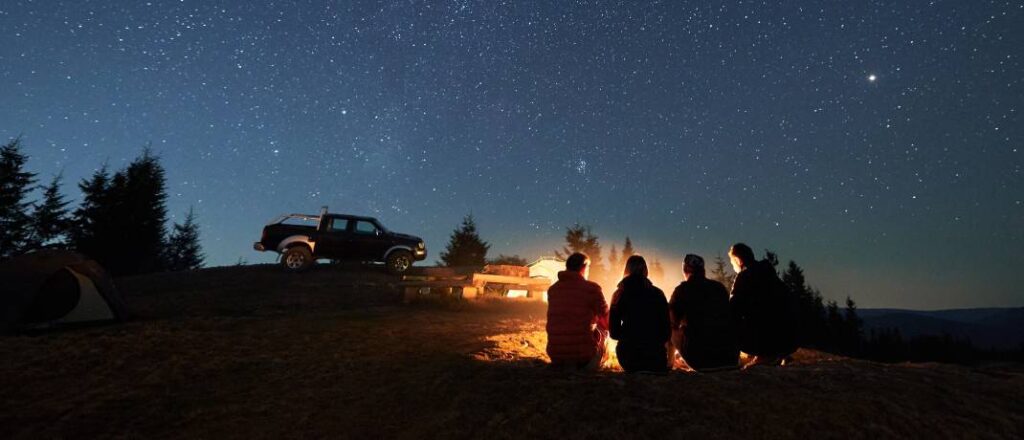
{"x": 526, "y": 341}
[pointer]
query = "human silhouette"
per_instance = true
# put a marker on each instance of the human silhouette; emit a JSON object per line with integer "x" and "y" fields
{"x": 577, "y": 318}
{"x": 639, "y": 320}
{"x": 702, "y": 330}
{"x": 763, "y": 310}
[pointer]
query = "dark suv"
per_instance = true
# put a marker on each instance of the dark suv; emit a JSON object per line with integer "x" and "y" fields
{"x": 302, "y": 239}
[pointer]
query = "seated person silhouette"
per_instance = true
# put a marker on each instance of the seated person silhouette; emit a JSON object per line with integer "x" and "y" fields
{"x": 699, "y": 312}
{"x": 763, "y": 309}
{"x": 577, "y": 318}
{"x": 639, "y": 321}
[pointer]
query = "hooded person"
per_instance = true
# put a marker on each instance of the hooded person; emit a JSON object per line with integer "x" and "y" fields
{"x": 577, "y": 322}
{"x": 639, "y": 321}
{"x": 701, "y": 327}
{"x": 763, "y": 309}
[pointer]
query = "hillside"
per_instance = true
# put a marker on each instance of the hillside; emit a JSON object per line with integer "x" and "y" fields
{"x": 987, "y": 328}
{"x": 252, "y": 352}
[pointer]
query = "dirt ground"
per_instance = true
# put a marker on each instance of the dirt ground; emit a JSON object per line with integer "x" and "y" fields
{"x": 251, "y": 352}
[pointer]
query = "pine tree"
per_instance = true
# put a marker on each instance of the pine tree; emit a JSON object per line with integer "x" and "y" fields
{"x": 123, "y": 217}
{"x": 183, "y": 249}
{"x": 465, "y": 248}
{"x": 15, "y": 183}
{"x": 772, "y": 258}
{"x": 51, "y": 221}
{"x": 811, "y": 319}
{"x": 580, "y": 238}
{"x": 853, "y": 328}
{"x": 140, "y": 212}
{"x": 834, "y": 320}
{"x": 721, "y": 272}
{"x": 91, "y": 218}
{"x": 627, "y": 250}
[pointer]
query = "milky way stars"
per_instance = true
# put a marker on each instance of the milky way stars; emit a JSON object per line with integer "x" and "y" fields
{"x": 878, "y": 144}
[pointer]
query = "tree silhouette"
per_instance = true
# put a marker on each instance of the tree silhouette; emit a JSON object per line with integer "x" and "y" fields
{"x": 91, "y": 220}
{"x": 122, "y": 220}
{"x": 144, "y": 211}
{"x": 721, "y": 273}
{"x": 811, "y": 325}
{"x": 510, "y": 260}
{"x": 772, "y": 258}
{"x": 15, "y": 183}
{"x": 853, "y": 328}
{"x": 627, "y": 250}
{"x": 51, "y": 220}
{"x": 465, "y": 248}
{"x": 183, "y": 249}
{"x": 580, "y": 238}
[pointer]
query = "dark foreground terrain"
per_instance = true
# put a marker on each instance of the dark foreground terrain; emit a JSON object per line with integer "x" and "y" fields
{"x": 251, "y": 352}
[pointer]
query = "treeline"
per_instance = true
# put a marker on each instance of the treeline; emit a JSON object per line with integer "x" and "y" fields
{"x": 120, "y": 221}
{"x": 824, "y": 325}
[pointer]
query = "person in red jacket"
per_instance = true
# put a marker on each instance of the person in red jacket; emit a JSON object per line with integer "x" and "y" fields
{"x": 577, "y": 317}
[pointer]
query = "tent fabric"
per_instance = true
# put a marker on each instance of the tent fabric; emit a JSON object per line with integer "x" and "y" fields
{"x": 54, "y": 287}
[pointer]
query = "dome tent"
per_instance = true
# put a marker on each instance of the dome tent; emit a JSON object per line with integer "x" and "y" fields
{"x": 52, "y": 288}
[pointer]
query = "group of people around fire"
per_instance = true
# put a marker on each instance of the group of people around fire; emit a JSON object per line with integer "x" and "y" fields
{"x": 703, "y": 321}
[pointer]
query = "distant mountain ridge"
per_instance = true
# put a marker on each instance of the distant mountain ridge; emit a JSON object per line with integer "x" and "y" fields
{"x": 987, "y": 328}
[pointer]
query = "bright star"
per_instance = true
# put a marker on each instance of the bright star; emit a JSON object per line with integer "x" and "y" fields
{"x": 872, "y": 77}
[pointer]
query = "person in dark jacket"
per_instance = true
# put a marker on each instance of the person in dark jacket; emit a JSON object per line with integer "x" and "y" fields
{"x": 763, "y": 309}
{"x": 639, "y": 321}
{"x": 701, "y": 328}
{"x": 577, "y": 318}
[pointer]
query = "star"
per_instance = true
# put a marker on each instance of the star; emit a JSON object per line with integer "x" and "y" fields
{"x": 872, "y": 78}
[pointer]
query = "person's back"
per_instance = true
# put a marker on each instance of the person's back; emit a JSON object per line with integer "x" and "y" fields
{"x": 762, "y": 312}
{"x": 577, "y": 320}
{"x": 703, "y": 331}
{"x": 639, "y": 321}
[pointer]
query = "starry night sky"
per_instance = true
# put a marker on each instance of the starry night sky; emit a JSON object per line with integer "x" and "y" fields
{"x": 877, "y": 143}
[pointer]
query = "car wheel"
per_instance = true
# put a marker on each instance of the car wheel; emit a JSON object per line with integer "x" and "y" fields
{"x": 297, "y": 259}
{"x": 399, "y": 262}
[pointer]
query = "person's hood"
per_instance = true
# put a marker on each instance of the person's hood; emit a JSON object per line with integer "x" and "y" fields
{"x": 568, "y": 275}
{"x": 635, "y": 281}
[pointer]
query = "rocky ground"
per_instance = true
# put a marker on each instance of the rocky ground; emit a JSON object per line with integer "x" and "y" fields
{"x": 252, "y": 352}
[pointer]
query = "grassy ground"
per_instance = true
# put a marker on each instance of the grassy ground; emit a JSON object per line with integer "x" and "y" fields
{"x": 250, "y": 352}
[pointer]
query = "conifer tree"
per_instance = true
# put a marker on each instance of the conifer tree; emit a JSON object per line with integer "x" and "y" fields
{"x": 465, "y": 248}
{"x": 140, "y": 216}
{"x": 183, "y": 249}
{"x": 15, "y": 183}
{"x": 580, "y": 238}
{"x": 627, "y": 250}
{"x": 853, "y": 328}
{"x": 91, "y": 218}
{"x": 51, "y": 220}
{"x": 721, "y": 272}
{"x": 811, "y": 319}
{"x": 772, "y": 258}
{"x": 834, "y": 320}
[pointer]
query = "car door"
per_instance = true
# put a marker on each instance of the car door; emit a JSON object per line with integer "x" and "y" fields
{"x": 335, "y": 239}
{"x": 367, "y": 241}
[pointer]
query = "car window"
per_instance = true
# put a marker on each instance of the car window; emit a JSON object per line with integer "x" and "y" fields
{"x": 339, "y": 225}
{"x": 300, "y": 221}
{"x": 366, "y": 228}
